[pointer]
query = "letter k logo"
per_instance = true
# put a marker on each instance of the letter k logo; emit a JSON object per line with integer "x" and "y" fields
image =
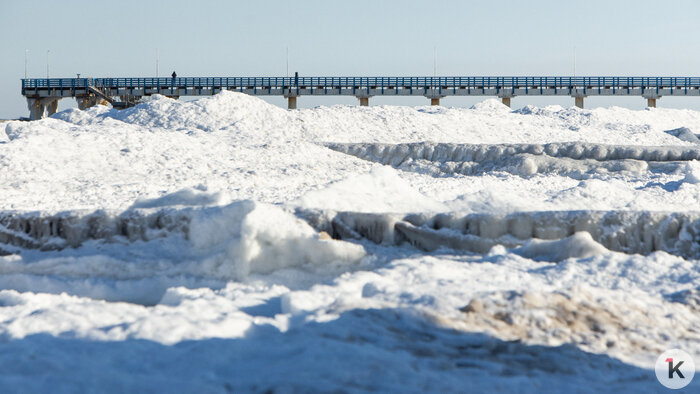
{"x": 672, "y": 369}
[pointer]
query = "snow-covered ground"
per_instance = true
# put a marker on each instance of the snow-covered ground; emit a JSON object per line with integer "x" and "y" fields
{"x": 227, "y": 245}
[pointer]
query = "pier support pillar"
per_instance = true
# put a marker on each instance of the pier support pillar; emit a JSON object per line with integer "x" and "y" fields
{"x": 52, "y": 107}
{"x": 86, "y": 102}
{"x": 434, "y": 101}
{"x": 651, "y": 103}
{"x": 39, "y": 108}
{"x": 291, "y": 102}
{"x": 83, "y": 103}
{"x": 506, "y": 101}
{"x": 579, "y": 101}
{"x": 364, "y": 101}
{"x": 36, "y": 108}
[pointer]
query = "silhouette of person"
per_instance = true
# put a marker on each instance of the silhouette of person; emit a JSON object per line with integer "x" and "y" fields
{"x": 174, "y": 75}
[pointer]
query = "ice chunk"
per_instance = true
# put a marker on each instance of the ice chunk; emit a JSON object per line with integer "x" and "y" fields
{"x": 579, "y": 245}
{"x": 684, "y": 134}
{"x": 692, "y": 172}
{"x": 182, "y": 197}
{"x": 262, "y": 238}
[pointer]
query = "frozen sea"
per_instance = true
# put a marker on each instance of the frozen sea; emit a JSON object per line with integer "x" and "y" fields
{"x": 228, "y": 245}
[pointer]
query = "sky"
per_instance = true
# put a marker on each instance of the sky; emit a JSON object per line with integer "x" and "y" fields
{"x": 350, "y": 38}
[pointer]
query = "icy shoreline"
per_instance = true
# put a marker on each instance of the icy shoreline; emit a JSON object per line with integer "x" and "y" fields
{"x": 225, "y": 244}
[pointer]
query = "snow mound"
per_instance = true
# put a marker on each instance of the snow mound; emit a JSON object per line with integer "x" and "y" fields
{"x": 491, "y": 106}
{"x": 547, "y": 111}
{"x": 3, "y": 135}
{"x": 579, "y": 245}
{"x": 224, "y": 110}
{"x": 181, "y": 197}
{"x": 89, "y": 116}
{"x": 692, "y": 172}
{"x": 260, "y": 238}
{"x": 380, "y": 190}
{"x": 684, "y": 134}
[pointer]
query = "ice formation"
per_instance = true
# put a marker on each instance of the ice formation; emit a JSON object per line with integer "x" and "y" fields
{"x": 684, "y": 134}
{"x": 627, "y": 232}
{"x": 217, "y": 243}
{"x": 523, "y": 159}
{"x": 541, "y": 247}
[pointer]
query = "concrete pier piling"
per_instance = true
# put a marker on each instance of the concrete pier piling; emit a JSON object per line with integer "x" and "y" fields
{"x": 39, "y": 108}
{"x": 36, "y": 109}
{"x": 51, "y": 107}
{"x": 291, "y": 102}
{"x": 364, "y": 101}
{"x": 434, "y": 101}
{"x": 90, "y": 101}
{"x": 579, "y": 101}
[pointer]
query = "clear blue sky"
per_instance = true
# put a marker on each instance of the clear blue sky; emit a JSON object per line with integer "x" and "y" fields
{"x": 248, "y": 38}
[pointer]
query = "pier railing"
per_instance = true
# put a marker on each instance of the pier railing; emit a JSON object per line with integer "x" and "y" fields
{"x": 378, "y": 82}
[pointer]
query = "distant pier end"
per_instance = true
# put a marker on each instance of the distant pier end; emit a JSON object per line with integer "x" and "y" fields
{"x": 43, "y": 93}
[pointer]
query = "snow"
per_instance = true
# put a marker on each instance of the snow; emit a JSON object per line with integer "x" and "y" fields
{"x": 225, "y": 244}
{"x": 579, "y": 245}
{"x": 684, "y": 134}
{"x": 692, "y": 172}
{"x": 380, "y": 190}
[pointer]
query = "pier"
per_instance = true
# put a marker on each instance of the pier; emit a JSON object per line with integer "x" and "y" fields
{"x": 42, "y": 94}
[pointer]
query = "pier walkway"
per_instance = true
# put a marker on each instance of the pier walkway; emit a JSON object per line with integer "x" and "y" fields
{"x": 43, "y": 93}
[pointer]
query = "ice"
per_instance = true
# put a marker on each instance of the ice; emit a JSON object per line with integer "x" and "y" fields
{"x": 190, "y": 246}
{"x": 684, "y": 134}
{"x": 574, "y": 159}
{"x": 692, "y": 172}
{"x": 181, "y": 197}
{"x": 578, "y": 245}
{"x": 265, "y": 239}
{"x": 628, "y": 232}
{"x": 220, "y": 245}
{"x": 245, "y": 148}
{"x": 526, "y": 165}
